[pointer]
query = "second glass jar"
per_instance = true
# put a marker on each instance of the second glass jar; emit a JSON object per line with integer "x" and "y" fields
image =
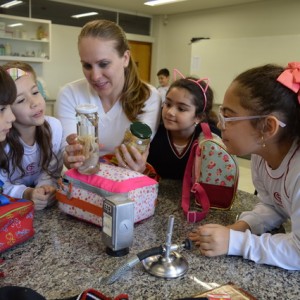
{"x": 137, "y": 135}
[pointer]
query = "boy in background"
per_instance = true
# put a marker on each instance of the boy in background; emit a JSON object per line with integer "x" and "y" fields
{"x": 163, "y": 78}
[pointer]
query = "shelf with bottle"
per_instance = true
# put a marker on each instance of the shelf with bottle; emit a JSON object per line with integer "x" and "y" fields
{"x": 24, "y": 39}
{"x": 44, "y": 40}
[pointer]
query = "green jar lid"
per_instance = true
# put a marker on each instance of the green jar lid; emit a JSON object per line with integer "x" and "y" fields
{"x": 141, "y": 130}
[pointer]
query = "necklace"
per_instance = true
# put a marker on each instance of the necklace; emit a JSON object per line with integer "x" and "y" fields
{"x": 185, "y": 150}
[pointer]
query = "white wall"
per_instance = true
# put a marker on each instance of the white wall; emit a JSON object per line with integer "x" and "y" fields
{"x": 65, "y": 64}
{"x": 171, "y": 41}
{"x": 268, "y": 18}
{"x": 238, "y": 55}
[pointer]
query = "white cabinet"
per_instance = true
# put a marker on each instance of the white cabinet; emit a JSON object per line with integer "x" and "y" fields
{"x": 28, "y": 42}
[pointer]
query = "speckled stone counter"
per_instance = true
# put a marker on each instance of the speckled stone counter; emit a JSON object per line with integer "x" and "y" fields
{"x": 67, "y": 256}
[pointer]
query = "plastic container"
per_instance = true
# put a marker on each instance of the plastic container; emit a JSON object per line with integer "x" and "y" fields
{"x": 2, "y": 49}
{"x": 137, "y": 135}
{"x": 40, "y": 33}
{"x": 7, "y": 49}
{"x": 87, "y": 131}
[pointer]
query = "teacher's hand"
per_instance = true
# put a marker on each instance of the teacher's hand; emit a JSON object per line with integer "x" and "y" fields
{"x": 72, "y": 157}
{"x": 133, "y": 160}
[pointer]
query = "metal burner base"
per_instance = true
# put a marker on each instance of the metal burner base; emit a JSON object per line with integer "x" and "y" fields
{"x": 172, "y": 266}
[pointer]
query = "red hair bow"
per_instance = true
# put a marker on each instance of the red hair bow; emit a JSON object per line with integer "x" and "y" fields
{"x": 290, "y": 77}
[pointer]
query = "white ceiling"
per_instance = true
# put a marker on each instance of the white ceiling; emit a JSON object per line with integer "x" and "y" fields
{"x": 137, "y": 6}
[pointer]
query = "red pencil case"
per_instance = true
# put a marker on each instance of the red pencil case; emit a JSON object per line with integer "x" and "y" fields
{"x": 16, "y": 221}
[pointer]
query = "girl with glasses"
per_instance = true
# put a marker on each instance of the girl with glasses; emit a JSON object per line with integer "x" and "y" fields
{"x": 260, "y": 115}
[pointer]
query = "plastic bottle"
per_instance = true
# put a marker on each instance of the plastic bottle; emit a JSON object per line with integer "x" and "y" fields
{"x": 2, "y": 49}
{"x": 87, "y": 131}
{"x": 40, "y": 32}
{"x": 7, "y": 49}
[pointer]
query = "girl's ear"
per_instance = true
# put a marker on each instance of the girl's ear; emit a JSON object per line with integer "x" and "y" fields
{"x": 199, "y": 118}
{"x": 271, "y": 127}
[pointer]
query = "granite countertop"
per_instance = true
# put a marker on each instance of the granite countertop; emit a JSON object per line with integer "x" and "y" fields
{"x": 67, "y": 256}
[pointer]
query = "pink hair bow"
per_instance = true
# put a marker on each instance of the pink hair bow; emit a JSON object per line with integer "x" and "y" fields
{"x": 290, "y": 77}
{"x": 176, "y": 72}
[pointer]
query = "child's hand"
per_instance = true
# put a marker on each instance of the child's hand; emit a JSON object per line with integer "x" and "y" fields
{"x": 42, "y": 196}
{"x": 133, "y": 160}
{"x": 50, "y": 194}
{"x": 212, "y": 239}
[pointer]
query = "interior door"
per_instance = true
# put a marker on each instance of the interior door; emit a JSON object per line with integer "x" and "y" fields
{"x": 141, "y": 54}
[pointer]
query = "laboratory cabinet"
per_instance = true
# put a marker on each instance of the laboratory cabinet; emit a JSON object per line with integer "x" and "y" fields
{"x": 25, "y": 39}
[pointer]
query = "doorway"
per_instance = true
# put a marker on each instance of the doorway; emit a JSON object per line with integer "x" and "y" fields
{"x": 141, "y": 54}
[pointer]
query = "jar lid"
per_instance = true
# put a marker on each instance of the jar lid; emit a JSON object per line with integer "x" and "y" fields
{"x": 141, "y": 130}
{"x": 86, "y": 108}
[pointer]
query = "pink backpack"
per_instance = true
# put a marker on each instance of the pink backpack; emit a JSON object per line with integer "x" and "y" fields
{"x": 211, "y": 175}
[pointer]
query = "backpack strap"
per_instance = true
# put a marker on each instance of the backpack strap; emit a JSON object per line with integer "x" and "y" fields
{"x": 206, "y": 131}
{"x": 197, "y": 189}
{"x": 202, "y": 198}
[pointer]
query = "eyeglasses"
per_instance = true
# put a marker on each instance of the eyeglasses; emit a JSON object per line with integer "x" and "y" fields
{"x": 223, "y": 120}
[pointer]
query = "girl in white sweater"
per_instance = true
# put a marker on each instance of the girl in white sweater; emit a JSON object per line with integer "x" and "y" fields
{"x": 30, "y": 159}
{"x": 260, "y": 115}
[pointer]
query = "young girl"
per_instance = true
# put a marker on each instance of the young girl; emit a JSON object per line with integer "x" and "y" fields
{"x": 261, "y": 116}
{"x": 30, "y": 160}
{"x": 7, "y": 96}
{"x": 188, "y": 102}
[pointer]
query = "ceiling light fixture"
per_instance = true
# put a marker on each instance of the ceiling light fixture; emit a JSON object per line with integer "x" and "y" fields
{"x": 10, "y": 4}
{"x": 161, "y": 2}
{"x": 15, "y": 25}
{"x": 92, "y": 13}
